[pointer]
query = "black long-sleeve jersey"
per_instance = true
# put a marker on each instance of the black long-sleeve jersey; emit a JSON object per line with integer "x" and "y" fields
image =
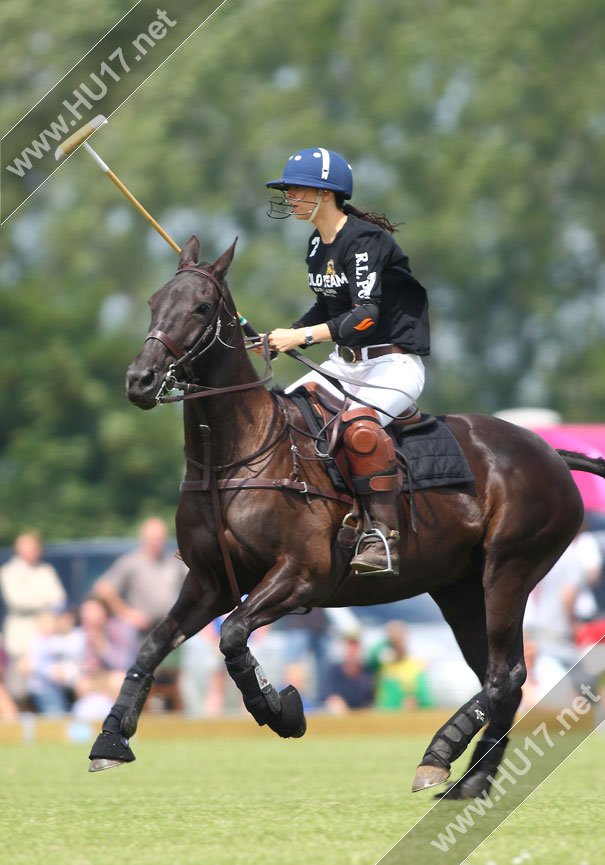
{"x": 366, "y": 292}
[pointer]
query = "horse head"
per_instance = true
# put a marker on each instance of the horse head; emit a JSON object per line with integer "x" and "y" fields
{"x": 188, "y": 315}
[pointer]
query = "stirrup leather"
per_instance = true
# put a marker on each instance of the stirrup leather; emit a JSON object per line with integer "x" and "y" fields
{"x": 375, "y": 532}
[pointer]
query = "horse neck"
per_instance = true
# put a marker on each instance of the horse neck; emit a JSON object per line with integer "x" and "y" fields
{"x": 238, "y": 420}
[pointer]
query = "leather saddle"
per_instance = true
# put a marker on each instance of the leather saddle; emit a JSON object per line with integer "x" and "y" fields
{"x": 328, "y": 406}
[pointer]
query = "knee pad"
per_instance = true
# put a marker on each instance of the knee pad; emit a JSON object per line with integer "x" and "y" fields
{"x": 370, "y": 451}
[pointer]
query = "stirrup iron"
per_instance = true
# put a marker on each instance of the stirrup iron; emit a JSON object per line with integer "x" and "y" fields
{"x": 377, "y": 533}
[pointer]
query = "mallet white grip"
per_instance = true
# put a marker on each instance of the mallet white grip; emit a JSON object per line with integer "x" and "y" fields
{"x": 102, "y": 165}
{"x": 79, "y": 137}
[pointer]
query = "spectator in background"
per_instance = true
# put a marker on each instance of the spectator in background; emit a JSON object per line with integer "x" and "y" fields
{"x": 307, "y": 639}
{"x": 401, "y": 681}
{"x": 108, "y": 648}
{"x": 350, "y": 683}
{"x": 543, "y": 673}
{"x": 141, "y": 586}
{"x": 550, "y": 617}
{"x": 8, "y": 707}
{"x": 54, "y": 661}
{"x": 589, "y": 554}
{"x": 203, "y": 675}
{"x": 598, "y": 589}
{"x": 205, "y": 687}
{"x": 29, "y": 587}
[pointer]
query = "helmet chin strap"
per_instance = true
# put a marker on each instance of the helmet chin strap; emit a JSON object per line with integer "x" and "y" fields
{"x": 310, "y": 214}
{"x": 313, "y": 213}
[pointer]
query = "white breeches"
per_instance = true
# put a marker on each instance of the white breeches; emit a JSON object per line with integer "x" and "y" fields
{"x": 401, "y": 376}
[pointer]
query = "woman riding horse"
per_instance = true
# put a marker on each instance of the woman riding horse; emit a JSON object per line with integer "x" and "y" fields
{"x": 258, "y": 517}
{"x": 370, "y": 305}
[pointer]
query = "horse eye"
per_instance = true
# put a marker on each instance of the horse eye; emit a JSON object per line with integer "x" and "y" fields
{"x": 202, "y": 309}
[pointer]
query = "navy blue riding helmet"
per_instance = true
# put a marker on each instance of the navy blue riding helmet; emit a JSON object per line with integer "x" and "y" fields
{"x": 316, "y": 168}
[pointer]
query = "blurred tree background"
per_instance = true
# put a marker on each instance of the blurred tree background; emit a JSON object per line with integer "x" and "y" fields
{"x": 480, "y": 125}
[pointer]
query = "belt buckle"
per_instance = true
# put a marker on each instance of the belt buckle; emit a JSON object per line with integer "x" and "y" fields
{"x": 346, "y": 353}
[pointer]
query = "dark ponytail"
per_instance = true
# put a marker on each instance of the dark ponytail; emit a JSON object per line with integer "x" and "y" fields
{"x": 367, "y": 215}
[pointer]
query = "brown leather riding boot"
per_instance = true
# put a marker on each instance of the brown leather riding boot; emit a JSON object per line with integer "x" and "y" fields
{"x": 371, "y": 456}
{"x": 378, "y": 550}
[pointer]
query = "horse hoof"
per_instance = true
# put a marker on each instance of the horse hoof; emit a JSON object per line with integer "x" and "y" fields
{"x": 429, "y": 776}
{"x": 291, "y": 722}
{"x": 466, "y": 788}
{"x": 300, "y": 732}
{"x": 452, "y": 791}
{"x": 109, "y": 750}
{"x": 101, "y": 763}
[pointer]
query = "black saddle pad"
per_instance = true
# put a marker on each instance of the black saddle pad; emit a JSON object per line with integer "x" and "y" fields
{"x": 431, "y": 455}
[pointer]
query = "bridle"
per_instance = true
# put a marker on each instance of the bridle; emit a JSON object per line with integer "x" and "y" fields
{"x": 208, "y": 337}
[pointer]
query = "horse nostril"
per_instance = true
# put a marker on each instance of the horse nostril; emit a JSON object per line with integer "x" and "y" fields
{"x": 147, "y": 379}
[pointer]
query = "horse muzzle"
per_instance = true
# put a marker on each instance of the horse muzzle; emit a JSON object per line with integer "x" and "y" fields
{"x": 142, "y": 386}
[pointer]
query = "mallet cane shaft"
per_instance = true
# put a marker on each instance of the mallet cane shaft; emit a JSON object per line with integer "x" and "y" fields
{"x": 79, "y": 137}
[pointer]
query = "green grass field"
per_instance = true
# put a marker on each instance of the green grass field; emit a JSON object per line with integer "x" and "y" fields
{"x": 318, "y": 801}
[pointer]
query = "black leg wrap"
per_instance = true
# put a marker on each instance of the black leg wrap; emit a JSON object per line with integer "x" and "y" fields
{"x": 124, "y": 716}
{"x": 111, "y": 746}
{"x": 454, "y": 737}
{"x": 488, "y": 753}
{"x": 485, "y": 761}
{"x": 260, "y": 697}
{"x": 282, "y": 712}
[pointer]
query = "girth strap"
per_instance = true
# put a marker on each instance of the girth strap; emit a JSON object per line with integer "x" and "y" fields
{"x": 302, "y": 487}
{"x": 209, "y": 481}
{"x": 222, "y": 541}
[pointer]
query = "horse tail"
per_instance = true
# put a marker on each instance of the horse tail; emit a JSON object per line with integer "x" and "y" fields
{"x": 583, "y": 463}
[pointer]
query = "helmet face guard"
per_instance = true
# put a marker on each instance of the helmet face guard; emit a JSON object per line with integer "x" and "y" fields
{"x": 282, "y": 206}
{"x": 316, "y": 168}
{"x": 279, "y": 207}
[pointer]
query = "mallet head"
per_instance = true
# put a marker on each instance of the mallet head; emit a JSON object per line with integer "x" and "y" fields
{"x": 79, "y": 137}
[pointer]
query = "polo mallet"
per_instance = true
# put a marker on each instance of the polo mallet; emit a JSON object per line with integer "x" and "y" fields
{"x": 79, "y": 137}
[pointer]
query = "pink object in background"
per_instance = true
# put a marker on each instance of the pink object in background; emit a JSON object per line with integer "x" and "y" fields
{"x": 588, "y": 439}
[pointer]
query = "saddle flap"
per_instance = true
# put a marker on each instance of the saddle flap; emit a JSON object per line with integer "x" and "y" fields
{"x": 324, "y": 401}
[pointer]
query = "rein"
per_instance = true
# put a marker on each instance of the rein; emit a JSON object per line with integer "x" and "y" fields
{"x": 337, "y": 382}
{"x": 195, "y": 391}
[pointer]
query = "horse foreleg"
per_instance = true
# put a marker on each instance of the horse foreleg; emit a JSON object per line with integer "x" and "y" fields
{"x": 282, "y": 590}
{"x": 192, "y": 611}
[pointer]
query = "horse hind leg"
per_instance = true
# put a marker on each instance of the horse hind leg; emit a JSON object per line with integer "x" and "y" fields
{"x": 450, "y": 742}
{"x": 489, "y": 750}
{"x": 505, "y": 578}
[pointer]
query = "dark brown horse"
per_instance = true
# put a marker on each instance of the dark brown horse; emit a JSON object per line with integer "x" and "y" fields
{"x": 477, "y": 550}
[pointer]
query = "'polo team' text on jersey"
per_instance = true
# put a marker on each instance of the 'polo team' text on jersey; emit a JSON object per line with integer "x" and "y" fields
{"x": 365, "y": 266}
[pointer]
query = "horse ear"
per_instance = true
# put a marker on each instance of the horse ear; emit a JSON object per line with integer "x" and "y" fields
{"x": 221, "y": 265}
{"x": 190, "y": 253}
